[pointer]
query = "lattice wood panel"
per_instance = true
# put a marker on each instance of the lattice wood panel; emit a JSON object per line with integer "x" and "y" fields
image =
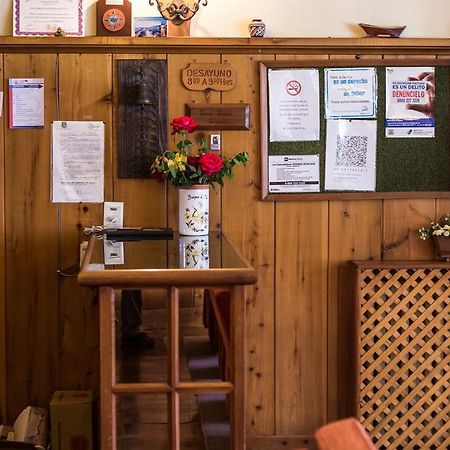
{"x": 404, "y": 366}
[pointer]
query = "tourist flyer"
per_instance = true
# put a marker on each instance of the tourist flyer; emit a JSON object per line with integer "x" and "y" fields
{"x": 410, "y": 99}
{"x": 294, "y": 105}
{"x": 350, "y": 93}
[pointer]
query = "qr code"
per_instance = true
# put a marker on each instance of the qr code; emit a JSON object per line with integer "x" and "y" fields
{"x": 351, "y": 151}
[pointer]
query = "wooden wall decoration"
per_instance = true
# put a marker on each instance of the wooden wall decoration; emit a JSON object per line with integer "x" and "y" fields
{"x": 231, "y": 116}
{"x": 142, "y": 115}
{"x": 205, "y": 76}
{"x": 296, "y": 248}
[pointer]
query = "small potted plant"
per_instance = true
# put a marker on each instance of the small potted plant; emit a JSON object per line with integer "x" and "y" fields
{"x": 193, "y": 171}
{"x": 440, "y": 233}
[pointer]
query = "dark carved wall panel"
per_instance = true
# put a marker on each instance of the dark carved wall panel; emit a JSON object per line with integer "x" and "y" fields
{"x": 142, "y": 115}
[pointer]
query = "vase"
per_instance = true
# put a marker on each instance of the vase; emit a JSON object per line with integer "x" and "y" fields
{"x": 194, "y": 252}
{"x": 193, "y": 207}
{"x": 442, "y": 247}
{"x": 257, "y": 28}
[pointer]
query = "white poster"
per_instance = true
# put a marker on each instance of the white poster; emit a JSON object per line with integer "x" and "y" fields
{"x": 26, "y": 103}
{"x": 78, "y": 161}
{"x": 294, "y": 105}
{"x": 294, "y": 173}
{"x": 350, "y": 93}
{"x": 351, "y": 155}
{"x": 43, "y": 18}
{"x": 410, "y": 98}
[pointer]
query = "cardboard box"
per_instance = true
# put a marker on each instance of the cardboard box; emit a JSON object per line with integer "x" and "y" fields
{"x": 71, "y": 420}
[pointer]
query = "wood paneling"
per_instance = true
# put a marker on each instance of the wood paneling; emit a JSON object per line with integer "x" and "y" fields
{"x": 85, "y": 87}
{"x": 2, "y": 266}
{"x": 145, "y": 199}
{"x": 401, "y": 221}
{"x": 354, "y": 233}
{"x": 250, "y": 225}
{"x": 31, "y": 249}
{"x": 297, "y": 248}
{"x": 301, "y": 316}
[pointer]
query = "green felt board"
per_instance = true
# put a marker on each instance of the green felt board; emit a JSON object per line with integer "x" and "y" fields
{"x": 416, "y": 164}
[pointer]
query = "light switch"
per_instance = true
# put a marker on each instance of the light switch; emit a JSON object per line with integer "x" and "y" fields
{"x": 113, "y": 252}
{"x": 113, "y": 215}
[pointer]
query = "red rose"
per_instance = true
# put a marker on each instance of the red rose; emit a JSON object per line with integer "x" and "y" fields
{"x": 193, "y": 160}
{"x": 210, "y": 163}
{"x": 183, "y": 123}
{"x": 159, "y": 176}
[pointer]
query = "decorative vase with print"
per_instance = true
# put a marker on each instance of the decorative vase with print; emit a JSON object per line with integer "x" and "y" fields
{"x": 193, "y": 210}
{"x": 256, "y": 28}
{"x": 194, "y": 252}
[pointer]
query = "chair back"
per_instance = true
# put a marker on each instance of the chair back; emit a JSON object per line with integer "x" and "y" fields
{"x": 346, "y": 434}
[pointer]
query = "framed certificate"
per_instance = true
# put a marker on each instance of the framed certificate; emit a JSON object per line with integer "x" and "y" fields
{"x": 43, "y": 18}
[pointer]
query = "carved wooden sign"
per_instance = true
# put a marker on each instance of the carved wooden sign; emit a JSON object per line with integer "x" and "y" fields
{"x": 217, "y": 77}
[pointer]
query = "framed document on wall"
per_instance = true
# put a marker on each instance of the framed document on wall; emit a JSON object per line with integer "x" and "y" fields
{"x": 38, "y": 18}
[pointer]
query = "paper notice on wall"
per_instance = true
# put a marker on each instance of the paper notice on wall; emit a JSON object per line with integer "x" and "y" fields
{"x": 350, "y": 93}
{"x": 351, "y": 155}
{"x": 294, "y": 173}
{"x": 26, "y": 103}
{"x": 410, "y": 100}
{"x": 78, "y": 161}
{"x": 294, "y": 105}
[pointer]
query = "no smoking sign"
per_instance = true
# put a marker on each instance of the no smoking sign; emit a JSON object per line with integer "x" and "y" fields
{"x": 293, "y": 87}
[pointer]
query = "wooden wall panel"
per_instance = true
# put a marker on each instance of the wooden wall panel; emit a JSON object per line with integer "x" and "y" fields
{"x": 178, "y": 97}
{"x": 85, "y": 91}
{"x": 144, "y": 199}
{"x": 250, "y": 225}
{"x": 401, "y": 220}
{"x": 354, "y": 233}
{"x": 301, "y": 262}
{"x": 297, "y": 248}
{"x": 31, "y": 249}
{"x": 2, "y": 262}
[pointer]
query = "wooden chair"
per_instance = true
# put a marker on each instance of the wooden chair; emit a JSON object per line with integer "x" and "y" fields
{"x": 346, "y": 434}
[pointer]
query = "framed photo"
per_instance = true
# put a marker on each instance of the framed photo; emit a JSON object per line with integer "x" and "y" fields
{"x": 37, "y": 18}
{"x": 150, "y": 27}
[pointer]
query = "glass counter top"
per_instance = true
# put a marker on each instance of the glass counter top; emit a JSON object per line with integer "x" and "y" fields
{"x": 146, "y": 260}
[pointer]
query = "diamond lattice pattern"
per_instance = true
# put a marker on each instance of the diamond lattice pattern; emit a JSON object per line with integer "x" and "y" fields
{"x": 405, "y": 341}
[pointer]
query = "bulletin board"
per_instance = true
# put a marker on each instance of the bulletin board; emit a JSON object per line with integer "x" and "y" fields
{"x": 405, "y": 167}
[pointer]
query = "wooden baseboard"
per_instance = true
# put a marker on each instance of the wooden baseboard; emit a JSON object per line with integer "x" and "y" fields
{"x": 281, "y": 442}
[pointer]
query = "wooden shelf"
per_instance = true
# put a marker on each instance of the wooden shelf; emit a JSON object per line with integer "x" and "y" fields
{"x": 347, "y": 46}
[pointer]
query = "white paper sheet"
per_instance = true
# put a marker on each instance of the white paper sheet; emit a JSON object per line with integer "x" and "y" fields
{"x": 350, "y": 93}
{"x": 294, "y": 105}
{"x": 26, "y": 100}
{"x": 78, "y": 161}
{"x": 42, "y": 18}
{"x": 410, "y": 98}
{"x": 294, "y": 173}
{"x": 351, "y": 155}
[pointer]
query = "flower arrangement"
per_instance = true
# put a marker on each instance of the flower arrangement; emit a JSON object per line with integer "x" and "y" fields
{"x": 185, "y": 168}
{"x": 439, "y": 228}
